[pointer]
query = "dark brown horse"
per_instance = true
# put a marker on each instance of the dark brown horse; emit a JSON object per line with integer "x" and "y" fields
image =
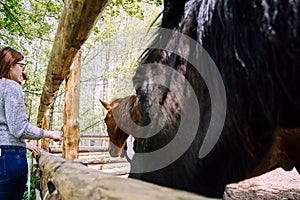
{"x": 255, "y": 46}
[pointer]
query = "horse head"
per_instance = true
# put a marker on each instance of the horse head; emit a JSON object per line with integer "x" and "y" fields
{"x": 121, "y": 108}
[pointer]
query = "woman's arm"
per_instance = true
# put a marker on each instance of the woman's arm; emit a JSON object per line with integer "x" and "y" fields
{"x": 17, "y": 122}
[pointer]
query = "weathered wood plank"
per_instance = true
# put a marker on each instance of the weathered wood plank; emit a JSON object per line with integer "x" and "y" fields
{"x": 92, "y": 135}
{"x": 75, "y": 181}
{"x": 81, "y": 149}
{"x": 103, "y": 161}
{"x": 275, "y": 185}
{"x": 113, "y": 169}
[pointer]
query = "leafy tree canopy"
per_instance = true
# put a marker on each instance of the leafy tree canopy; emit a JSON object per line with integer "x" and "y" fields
{"x": 25, "y": 20}
{"x": 22, "y": 21}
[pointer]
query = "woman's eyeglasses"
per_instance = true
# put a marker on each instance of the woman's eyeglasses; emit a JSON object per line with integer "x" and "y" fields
{"x": 23, "y": 65}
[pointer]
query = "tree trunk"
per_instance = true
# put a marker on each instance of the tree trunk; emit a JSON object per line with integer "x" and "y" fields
{"x": 77, "y": 20}
{"x": 71, "y": 129}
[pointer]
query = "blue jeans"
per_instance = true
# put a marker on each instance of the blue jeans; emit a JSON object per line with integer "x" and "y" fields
{"x": 13, "y": 172}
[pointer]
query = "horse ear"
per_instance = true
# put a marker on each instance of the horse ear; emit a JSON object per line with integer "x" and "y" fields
{"x": 106, "y": 105}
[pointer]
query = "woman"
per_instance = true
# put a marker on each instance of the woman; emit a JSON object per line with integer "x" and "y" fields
{"x": 14, "y": 126}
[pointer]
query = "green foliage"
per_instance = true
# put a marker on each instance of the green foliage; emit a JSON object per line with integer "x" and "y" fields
{"x": 25, "y": 20}
{"x": 132, "y": 7}
{"x": 9, "y": 17}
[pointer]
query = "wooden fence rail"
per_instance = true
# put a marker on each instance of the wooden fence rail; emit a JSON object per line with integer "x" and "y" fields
{"x": 74, "y": 181}
{"x": 93, "y": 135}
{"x": 81, "y": 149}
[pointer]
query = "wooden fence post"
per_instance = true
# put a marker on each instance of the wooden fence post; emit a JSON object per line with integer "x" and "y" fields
{"x": 45, "y": 146}
{"x": 45, "y": 126}
{"x": 71, "y": 111}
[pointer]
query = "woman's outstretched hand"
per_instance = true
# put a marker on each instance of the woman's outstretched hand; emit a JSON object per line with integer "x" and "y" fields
{"x": 55, "y": 135}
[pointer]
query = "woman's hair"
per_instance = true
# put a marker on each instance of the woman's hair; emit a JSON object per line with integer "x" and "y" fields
{"x": 8, "y": 57}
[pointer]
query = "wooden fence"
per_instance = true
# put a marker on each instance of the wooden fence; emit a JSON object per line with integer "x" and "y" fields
{"x": 75, "y": 181}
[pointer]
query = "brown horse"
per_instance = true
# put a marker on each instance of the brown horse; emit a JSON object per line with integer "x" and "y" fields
{"x": 126, "y": 109}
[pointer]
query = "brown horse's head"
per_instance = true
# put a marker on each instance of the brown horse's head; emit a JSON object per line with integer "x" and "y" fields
{"x": 125, "y": 110}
